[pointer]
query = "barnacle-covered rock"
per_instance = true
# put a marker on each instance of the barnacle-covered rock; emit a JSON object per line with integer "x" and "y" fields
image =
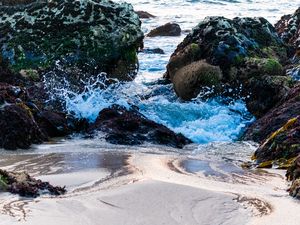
{"x": 94, "y": 35}
{"x": 242, "y": 48}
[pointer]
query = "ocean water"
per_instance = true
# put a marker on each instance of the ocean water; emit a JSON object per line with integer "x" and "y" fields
{"x": 201, "y": 121}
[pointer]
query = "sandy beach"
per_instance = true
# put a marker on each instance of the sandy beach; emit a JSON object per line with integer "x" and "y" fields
{"x": 142, "y": 188}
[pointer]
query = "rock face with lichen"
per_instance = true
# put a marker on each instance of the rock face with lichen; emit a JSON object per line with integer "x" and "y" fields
{"x": 242, "y": 48}
{"x": 94, "y": 35}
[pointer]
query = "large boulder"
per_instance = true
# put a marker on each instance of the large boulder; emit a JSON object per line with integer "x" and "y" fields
{"x": 274, "y": 119}
{"x": 243, "y": 48}
{"x": 189, "y": 79}
{"x": 95, "y": 36}
{"x": 129, "y": 127}
{"x": 18, "y": 127}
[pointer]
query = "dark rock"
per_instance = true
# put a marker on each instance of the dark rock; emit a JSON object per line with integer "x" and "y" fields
{"x": 293, "y": 174}
{"x": 267, "y": 92}
{"x": 24, "y": 185}
{"x": 144, "y": 15}
{"x": 284, "y": 143}
{"x": 17, "y": 2}
{"x": 153, "y": 51}
{"x": 96, "y": 36}
{"x": 169, "y": 29}
{"x": 242, "y": 48}
{"x": 129, "y": 127}
{"x": 286, "y": 109}
{"x": 288, "y": 28}
{"x": 54, "y": 124}
{"x": 18, "y": 127}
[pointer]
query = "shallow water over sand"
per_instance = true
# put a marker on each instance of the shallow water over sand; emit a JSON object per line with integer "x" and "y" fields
{"x": 147, "y": 185}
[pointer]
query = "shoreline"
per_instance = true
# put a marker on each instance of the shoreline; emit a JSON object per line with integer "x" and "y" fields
{"x": 151, "y": 189}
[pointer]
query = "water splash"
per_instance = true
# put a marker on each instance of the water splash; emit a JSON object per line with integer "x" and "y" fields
{"x": 201, "y": 121}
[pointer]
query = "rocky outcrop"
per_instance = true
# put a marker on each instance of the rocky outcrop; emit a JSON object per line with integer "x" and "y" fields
{"x": 283, "y": 144}
{"x": 266, "y": 92}
{"x": 243, "y": 48}
{"x": 169, "y": 29}
{"x": 274, "y": 119}
{"x": 91, "y": 35}
{"x": 129, "y": 127}
{"x": 293, "y": 174}
{"x": 18, "y": 126}
{"x": 288, "y": 28}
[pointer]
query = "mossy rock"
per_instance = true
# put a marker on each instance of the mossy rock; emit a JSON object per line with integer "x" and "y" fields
{"x": 241, "y": 47}
{"x": 196, "y": 75}
{"x": 93, "y": 36}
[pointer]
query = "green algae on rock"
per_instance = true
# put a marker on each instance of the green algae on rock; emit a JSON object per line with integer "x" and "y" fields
{"x": 242, "y": 48}
{"x": 96, "y": 36}
{"x": 281, "y": 144}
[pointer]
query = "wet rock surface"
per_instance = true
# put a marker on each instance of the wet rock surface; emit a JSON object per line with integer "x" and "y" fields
{"x": 281, "y": 144}
{"x": 293, "y": 175}
{"x": 144, "y": 15}
{"x": 288, "y": 28}
{"x": 169, "y": 29}
{"x": 30, "y": 38}
{"x": 24, "y": 185}
{"x": 266, "y": 92}
{"x": 275, "y": 118}
{"x": 129, "y": 127}
{"x": 242, "y": 48}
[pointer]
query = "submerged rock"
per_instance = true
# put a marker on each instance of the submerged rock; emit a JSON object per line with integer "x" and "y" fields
{"x": 129, "y": 127}
{"x": 92, "y": 35}
{"x": 153, "y": 51}
{"x": 169, "y": 29}
{"x": 242, "y": 48}
{"x": 22, "y": 184}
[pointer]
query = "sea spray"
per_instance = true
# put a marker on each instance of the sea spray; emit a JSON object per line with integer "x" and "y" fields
{"x": 201, "y": 121}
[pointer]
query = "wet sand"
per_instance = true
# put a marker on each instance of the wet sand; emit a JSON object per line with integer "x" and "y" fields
{"x": 142, "y": 188}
